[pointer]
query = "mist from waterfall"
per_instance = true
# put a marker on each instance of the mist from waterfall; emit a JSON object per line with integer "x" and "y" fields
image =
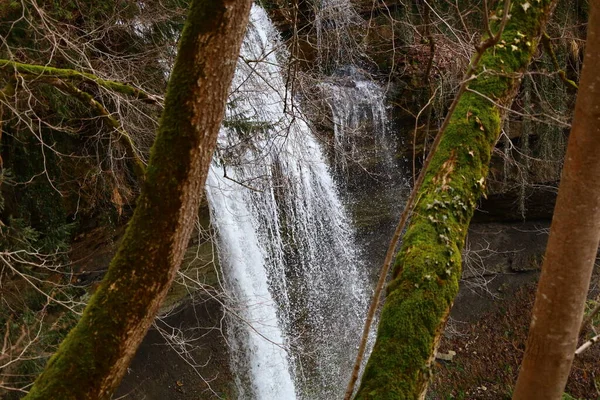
{"x": 290, "y": 260}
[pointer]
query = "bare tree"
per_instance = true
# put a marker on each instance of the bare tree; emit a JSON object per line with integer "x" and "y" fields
{"x": 572, "y": 245}
{"x": 93, "y": 358}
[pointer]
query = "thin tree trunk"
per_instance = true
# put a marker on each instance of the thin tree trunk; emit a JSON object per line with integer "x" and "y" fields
{"x": 428, "y": 267}
{"x": 91, "y": 361}
{"x": 572, "y": 246}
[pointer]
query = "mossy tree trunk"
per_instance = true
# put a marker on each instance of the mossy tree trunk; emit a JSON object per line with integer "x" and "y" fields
{"x": 572, "y": 245}
{"x": 428, "y": 267}
{"x": 94, "y": 357}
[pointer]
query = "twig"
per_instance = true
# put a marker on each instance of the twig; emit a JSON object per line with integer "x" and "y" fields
{"x": 587, "y": 345}
{"x": 493, "y": 39}
{"x": 71, "y": 74}
{"x": 561, "y": 72}
{"x": 511, "y": 111}
{"x": 124, "y": 137}
{"x": 431, "y": 41}
{"x": 414, "y": 156}
{"x": 242, "y": 184}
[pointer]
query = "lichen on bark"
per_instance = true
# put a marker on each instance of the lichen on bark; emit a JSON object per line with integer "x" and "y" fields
{"x": 428, "y": 267}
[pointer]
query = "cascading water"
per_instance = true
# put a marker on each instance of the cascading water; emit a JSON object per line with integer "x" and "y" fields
{"x": 372, "y": 177}
{"x": 335, "y": 23}
{"x": 359, "y": 118}
{"x": 285, "y": 243}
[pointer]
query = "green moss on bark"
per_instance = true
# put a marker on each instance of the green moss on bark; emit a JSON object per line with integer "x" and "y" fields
{"x": 37, "y": 71}
{"x": 428, "y": 267}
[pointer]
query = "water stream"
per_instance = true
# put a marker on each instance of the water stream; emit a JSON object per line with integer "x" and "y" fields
{"x": 287, "y": 248}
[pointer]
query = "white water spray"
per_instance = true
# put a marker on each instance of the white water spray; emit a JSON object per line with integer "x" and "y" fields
{"x": 286, "y": 246}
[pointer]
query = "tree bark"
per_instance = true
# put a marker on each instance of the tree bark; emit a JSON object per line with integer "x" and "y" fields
{"x": 428, "y": 267}
{"x": 572, "y": 245}
{"x": 91, "y": 361}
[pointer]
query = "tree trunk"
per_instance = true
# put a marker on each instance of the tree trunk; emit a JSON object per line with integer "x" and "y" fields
{"x": 428, "y": 267}
{"x": 94, "y": 357}
{"x": 572, "y": 246}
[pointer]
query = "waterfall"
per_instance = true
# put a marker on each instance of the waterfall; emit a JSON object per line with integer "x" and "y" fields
{"x": 359, "y": 118}
{"x": 287, "y": 250}
{"x": 335, "y": 23}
